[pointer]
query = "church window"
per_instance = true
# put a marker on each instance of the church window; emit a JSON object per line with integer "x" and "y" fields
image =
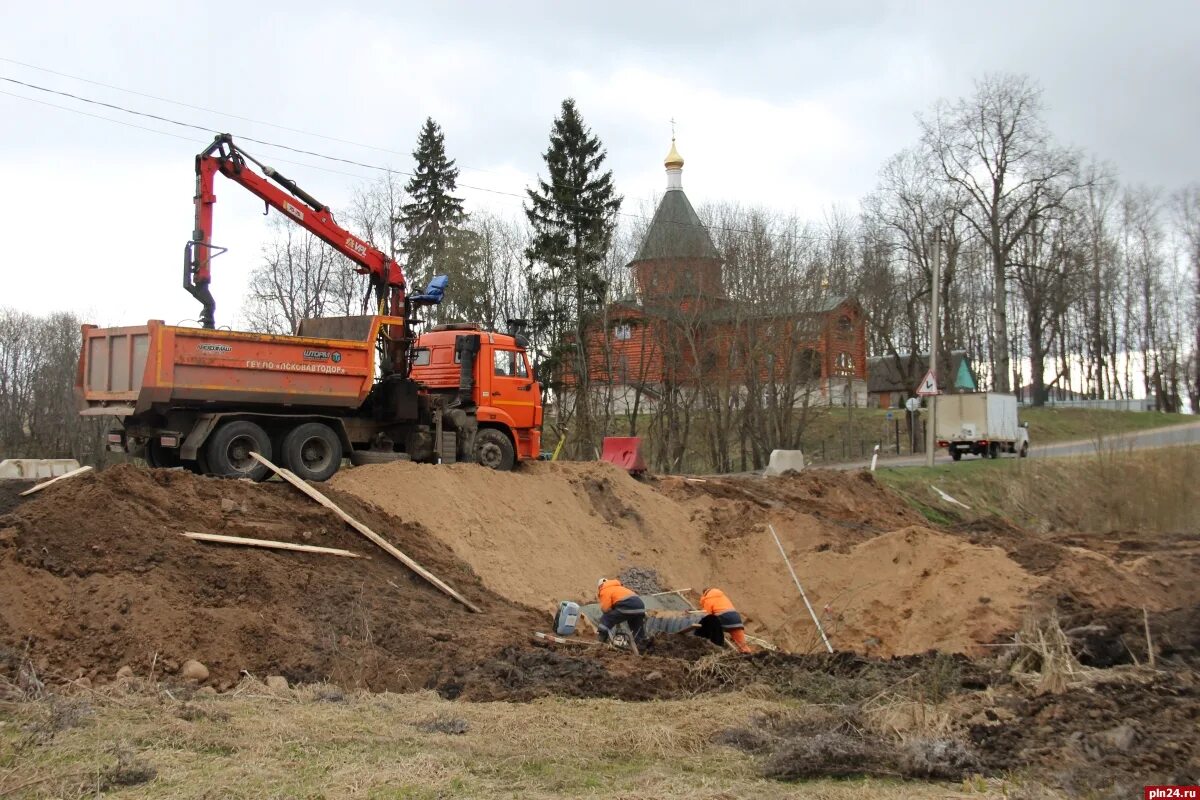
{"x": 623, "y": 332}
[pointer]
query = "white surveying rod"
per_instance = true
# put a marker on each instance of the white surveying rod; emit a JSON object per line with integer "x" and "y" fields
{"x": 812, "y": 613}
{"x": 934, "y": 312}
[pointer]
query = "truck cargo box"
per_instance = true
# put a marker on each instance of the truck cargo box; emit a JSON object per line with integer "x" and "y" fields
{"x": 130, "y": 370}
{"x": 981, "y": 416}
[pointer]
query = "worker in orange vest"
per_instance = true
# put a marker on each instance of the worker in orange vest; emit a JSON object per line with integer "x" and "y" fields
{"x": 618, "y": 604}
{"x": 722, "y": 619}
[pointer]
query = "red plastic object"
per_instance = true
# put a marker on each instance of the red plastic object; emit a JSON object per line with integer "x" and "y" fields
{"x": 625, "y": 452}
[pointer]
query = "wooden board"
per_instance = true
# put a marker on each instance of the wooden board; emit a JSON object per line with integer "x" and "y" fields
{"x": 62, "y": 477}
{"x": 270, "y": 543}
{"x": 384, "y": 544}
{"x": 549, "y": 637}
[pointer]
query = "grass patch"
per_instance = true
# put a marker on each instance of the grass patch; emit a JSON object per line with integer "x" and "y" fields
{"x": 1153, "y": 490}
{"x": 370, "y": 746}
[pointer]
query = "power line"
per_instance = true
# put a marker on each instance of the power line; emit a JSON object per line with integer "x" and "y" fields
{"x": 523, "y": 197}
{"x": 236, "y": 116}
{"x": 168, "y": 133}
{"x": 246, "y": 119}
{"x": 97, "y": 116}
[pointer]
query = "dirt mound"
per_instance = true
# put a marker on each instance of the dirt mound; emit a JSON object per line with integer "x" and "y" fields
{"x": 10, "y": 493}
{"x": 94, "y": 575}
{"x": 542, "y": 533}
{"x": 909, "y": 591}
{"x": 546, "y": 532}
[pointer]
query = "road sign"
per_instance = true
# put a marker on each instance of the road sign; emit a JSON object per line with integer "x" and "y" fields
{"x": 928, "y": 385}
{"x": 912, "y": 404}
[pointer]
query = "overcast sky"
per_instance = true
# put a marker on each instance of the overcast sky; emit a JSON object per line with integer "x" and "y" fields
{"x": 790, "y": 105}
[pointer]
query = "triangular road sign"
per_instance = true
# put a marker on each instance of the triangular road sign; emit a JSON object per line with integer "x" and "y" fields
{"x": 928, "y": 385}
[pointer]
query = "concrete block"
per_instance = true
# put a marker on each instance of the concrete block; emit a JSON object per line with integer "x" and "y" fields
{"x": 784, "y": 460}
{"x": 36, "y": 468}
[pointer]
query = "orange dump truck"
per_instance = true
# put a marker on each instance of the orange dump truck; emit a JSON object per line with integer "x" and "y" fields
{"x": 204, "y": 398}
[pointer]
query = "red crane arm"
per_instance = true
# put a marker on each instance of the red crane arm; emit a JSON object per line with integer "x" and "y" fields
{"x": 386, "y": 276}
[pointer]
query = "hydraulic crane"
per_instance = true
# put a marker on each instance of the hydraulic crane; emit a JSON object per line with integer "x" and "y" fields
{"x": 386, "y": 277}
{"x": 362, "y": 387}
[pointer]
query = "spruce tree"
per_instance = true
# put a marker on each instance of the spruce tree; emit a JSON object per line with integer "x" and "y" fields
{"x": 436, "y": 242}
{"x": 572, "y": 213}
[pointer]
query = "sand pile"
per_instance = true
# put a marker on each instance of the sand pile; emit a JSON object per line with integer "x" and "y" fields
{"x": 901, "y": 592}
{"x": 546, "y": 532}
{"x": 542, "y": 533}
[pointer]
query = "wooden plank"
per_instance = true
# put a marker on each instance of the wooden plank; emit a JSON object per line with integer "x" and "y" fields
{"x": 547, "y": 637}
{"x": 62, "y": 477}
{"x": 384, "y": 544}
{"x": 270, "y": 543}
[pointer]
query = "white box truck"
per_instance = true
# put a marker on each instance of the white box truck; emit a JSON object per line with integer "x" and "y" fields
{"x": 983, "y": 424}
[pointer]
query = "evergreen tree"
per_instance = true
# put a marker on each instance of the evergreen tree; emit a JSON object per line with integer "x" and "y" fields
{"x": 572, "y": 214}
{"x": 436, "y": 242}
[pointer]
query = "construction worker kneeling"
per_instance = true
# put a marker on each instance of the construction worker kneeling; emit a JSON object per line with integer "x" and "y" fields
{"x": 722, "y": 619}
{"x": 618, "y": 604}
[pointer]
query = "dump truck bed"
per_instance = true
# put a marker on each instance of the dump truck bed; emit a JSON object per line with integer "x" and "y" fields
{"x": 131, "y": 370}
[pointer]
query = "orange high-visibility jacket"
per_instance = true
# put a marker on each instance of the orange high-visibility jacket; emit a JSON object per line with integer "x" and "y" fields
{"x": 612, "y": 592}
{"x": 714, "y": 601}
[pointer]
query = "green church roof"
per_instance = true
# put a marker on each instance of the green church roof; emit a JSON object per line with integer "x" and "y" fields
{"x": 676, "y": 231}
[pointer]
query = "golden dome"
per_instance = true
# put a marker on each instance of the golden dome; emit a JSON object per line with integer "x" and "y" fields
{"x": 674, "y": 160}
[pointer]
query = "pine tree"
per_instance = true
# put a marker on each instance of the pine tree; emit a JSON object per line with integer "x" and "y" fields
{"x": 436, "y": 243}
{"x": 573, "y": 214}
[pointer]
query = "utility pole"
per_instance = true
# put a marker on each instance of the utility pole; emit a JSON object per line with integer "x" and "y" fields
{"x": 934, "y": 314}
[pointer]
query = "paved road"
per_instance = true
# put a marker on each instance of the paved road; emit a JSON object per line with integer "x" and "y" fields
{"x": 1142, "y": 440}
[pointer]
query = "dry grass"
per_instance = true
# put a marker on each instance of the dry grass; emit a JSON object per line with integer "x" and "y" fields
{"x": 251, "y": 744}
{"x": 1041, "y": 656}
{"x": 1112, "y": 490}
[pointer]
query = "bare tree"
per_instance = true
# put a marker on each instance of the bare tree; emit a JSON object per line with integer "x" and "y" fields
{"x": 1048, "y": 273}
{"x": 38, "y": 415}
{"x": 1186, "y": 204}
{"x": 294, "y": 282}
{"x": 913, "y": 206}
{"x": 995, "y": 147}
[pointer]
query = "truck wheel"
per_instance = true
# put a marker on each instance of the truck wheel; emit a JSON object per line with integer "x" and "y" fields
{"x": 1025, "y": 450}
{"x": 956, "y": 455}
{"x": 227, "y": 451}
{"x": 161, "y": 457}
{"x": 994, "y": 450}
{"x": 494, "y": 450}
{"x": 312, "y": 451}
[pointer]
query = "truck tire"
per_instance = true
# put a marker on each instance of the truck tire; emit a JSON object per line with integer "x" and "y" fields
{"x": 227, "y": 451}
{"x": 494, "y": 450}
{"x": 312, "y": 451}
{"x": 361, "y": 458}
{"x": 1024, "y": 450}
{"x": 994, "y": 450}
{"x": 160, "y": 457}
{"x": 956, "y": 454}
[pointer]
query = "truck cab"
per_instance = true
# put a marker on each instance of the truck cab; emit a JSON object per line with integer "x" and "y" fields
{"x": 498, "y": 382}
